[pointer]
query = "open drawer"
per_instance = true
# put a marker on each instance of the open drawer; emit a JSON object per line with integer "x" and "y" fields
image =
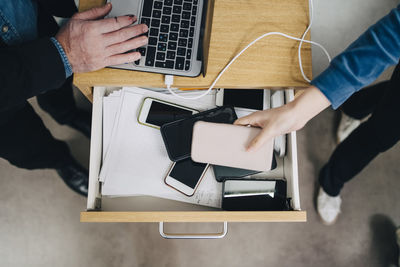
{"x": 151, "y": 209}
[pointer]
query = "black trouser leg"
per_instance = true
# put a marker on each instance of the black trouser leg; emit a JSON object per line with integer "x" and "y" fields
{"x": 365, "y": 101}
{"x": 59, "y": 103}
{"x": 26, "y": 143}
{"x": 378, "y": 134}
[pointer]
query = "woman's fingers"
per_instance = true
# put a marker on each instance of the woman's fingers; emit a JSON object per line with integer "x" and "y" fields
{"x": 248, "y": 120}
{"x": 263, "y": 137}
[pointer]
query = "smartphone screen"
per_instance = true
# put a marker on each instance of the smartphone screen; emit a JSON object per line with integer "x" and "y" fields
{"x": 188, "y": 172}
{"x": 244, "y": 98}
{"x": 160, "y": 113}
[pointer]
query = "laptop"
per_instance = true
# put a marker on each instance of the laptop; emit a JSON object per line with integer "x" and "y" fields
{"x": 179, "y": 35}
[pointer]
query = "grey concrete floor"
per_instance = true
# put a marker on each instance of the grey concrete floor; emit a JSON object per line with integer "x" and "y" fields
{"x": 39, "y": 215}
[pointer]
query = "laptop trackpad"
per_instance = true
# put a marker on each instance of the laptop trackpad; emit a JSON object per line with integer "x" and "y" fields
{"x": 124, "y": 7}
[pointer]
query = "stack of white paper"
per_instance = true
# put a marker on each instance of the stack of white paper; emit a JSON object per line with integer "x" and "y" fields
{"x": 135, "y": 161}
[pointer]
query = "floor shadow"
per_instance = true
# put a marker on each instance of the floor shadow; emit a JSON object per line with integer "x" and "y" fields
{"x": 318, "y": 139}
{"x": 383, "y": 242}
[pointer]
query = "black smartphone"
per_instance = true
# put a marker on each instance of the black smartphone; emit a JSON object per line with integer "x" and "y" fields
{"x": 177, "y": 135}
{"x": 252, "y": 99}
{"x": 155, "y": 112}
{"x": 255, "y": 195}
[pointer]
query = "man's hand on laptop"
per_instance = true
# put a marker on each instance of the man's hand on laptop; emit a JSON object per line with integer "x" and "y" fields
{"x": 92, "y": 42}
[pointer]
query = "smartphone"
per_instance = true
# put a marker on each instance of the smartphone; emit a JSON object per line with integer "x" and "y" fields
{"x": 251, "y": 99}
{"x": 155, "y": 113}
{"x": 185, "y": 176}
{"x": 248, "y": 195}
{"x": 237, "y": 188}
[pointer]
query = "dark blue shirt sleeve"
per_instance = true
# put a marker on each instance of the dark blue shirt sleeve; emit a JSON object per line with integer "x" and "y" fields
{"x": 67, "y": 66}
{"x": 363, "y": 61}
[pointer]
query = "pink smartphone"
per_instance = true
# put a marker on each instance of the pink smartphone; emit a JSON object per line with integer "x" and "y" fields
{"x": 225, "y": 145}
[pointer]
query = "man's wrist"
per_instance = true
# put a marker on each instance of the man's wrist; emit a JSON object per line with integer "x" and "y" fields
{"x": 67, "y": 65}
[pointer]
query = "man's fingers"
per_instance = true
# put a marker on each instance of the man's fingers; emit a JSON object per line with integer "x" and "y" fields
{"x": 127, "y": 45}
{"x": 125, "y": 34}
{"x": 94, "y": 13}
{"x": 114, "y": 24}
{"x": 259, "y": 140}
{"x": 123, "y": 58}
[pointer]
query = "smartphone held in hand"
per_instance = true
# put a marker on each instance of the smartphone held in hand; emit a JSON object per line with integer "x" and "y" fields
{"x": 226, "y": 145}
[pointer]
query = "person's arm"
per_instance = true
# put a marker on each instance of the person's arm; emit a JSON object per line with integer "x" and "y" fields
{"x": 89, "y": 43}
{"x": 290, "y": 117}
{"x": 363, "y": 61}
{"x": 29, "y": 70}
{"x": 359, "y": 65}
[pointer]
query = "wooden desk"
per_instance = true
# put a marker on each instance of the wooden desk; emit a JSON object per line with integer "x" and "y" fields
{"x": 271, "y": 63}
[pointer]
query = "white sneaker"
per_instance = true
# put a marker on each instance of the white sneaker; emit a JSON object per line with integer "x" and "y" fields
{"x": 328, "y": 207}
{"x": 346, "y": 126}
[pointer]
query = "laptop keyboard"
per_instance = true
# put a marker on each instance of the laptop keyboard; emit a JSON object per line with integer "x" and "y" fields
{"x": 171, "y": 31}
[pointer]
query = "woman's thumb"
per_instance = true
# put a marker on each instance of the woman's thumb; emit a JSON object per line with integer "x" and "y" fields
{"x": 259, "y": 140}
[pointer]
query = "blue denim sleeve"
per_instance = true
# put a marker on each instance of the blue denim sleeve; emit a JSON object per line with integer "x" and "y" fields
{"x": 67, "y": 66}
{"x": 363, "y": 61}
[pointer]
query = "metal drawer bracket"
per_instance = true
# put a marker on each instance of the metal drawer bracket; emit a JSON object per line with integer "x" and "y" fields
{"x": 193, "y": 236}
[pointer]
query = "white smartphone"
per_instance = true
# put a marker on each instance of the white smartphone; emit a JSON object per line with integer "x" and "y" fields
{"x": 250, "y": 99}
{"x": 155, "y": 113}
{"x": 185, "y": 176}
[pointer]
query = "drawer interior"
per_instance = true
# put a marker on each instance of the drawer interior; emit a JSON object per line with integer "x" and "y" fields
{"x": 95, "y": 201}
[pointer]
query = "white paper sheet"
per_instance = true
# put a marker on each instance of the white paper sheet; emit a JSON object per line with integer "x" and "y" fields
{"x": 135, "y": 160}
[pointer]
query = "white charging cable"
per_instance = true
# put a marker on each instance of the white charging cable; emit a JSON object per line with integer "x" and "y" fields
{"x": 169, "y": 79}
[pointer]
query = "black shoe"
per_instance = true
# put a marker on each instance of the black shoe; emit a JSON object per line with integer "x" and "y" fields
{"x": 76, "y": 177}
{"x": 82, "y": 122}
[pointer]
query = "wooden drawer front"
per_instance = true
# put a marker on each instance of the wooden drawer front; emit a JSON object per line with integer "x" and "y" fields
{"x": 143, "y": 209}
{"x": 194, "y": 216}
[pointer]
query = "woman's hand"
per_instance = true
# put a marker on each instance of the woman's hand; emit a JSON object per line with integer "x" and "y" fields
{"x": 290, "y": 117}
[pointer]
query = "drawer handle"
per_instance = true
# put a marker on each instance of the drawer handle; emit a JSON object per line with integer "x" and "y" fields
{"x": 193, "y": 236}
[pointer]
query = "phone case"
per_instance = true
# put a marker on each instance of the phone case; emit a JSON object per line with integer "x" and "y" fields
{"x": 225, "y": 145}
{"x": 177, "y": 135}
{"x": 221, "y": 172}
